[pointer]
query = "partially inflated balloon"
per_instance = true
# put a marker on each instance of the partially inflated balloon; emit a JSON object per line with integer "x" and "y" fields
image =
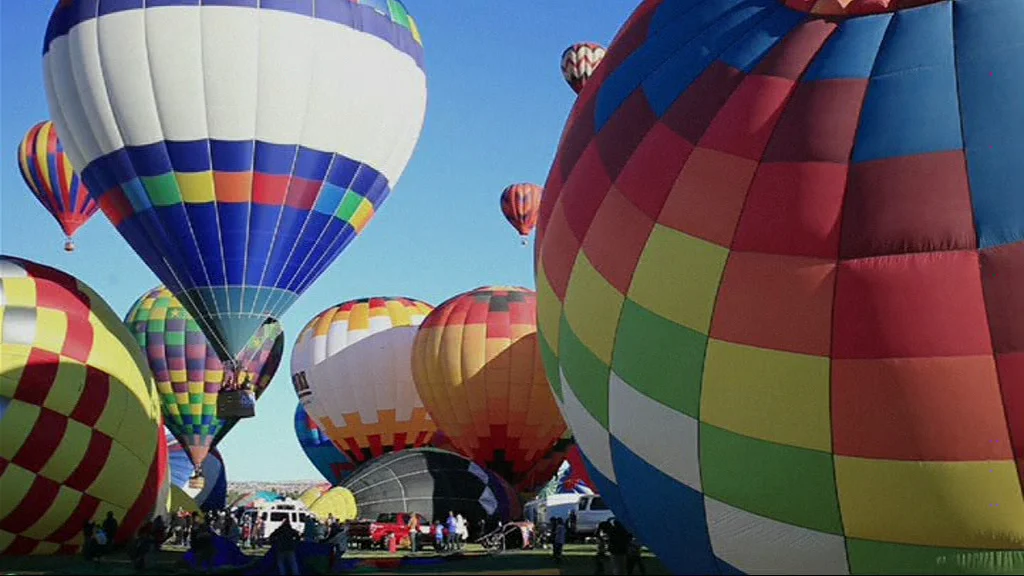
{"x": 48, "y": 173}
{"x": 350, "y": 368}
{"x": 237, "y": 146}
{"x": 780, "y": 265}
{"x": 188, "y": 372}
{"x": 579, "y": 62}
{"x": 478, "y": 370}
{"x": 329, "y": 461}
{"x": 80, "y": 431}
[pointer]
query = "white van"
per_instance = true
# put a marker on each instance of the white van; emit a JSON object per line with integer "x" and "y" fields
{"x": 274, "y": 514}
{"x": 589, "y": 511}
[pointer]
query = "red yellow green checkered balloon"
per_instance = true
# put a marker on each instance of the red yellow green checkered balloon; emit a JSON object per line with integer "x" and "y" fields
{"x": 80, "y": 431}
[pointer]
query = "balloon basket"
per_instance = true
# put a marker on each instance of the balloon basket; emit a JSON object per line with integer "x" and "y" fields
{"x": 235, "y": 404}
{"x": 196, "y": 482}
{"x": 69, "y": 246}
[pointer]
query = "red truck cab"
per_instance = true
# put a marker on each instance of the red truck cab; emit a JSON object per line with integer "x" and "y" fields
{"x": 379, "y": 533}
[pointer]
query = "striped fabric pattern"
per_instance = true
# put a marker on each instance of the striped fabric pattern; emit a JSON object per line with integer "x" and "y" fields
{"x": 48, "y": 173}
{"x": 579, "y": 62}
{"x": 238, "y": 145}
{"x": 779, "y": 268}
{"x": 79, "y": 415}
{"x": 520, "y": 203}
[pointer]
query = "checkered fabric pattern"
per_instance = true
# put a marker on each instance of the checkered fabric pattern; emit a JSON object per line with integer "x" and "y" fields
{"x": 188, "y": 372}
{"x": 80, "y": 430}
{"x": 779, "y": 272}
{"x": 477, "y": 368}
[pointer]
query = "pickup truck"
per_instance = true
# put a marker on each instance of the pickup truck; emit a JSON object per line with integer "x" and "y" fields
{"x": 378, "y": 533}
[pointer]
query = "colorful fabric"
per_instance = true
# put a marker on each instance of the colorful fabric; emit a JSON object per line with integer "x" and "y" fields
{"x": 350, "y": 369}
{"x": 520, "y": 203}
{"x": 188, "y": 373}
{"x": 213, "y": 495}
{"x": 579, "y": 62}
{"x": 332, "y": 463}
{"x": 49, "y": 174}
{"x": 779, "y": 264}
{"x": 238, "y": 145}
{"x": 80, "y": 426}
{"x": 477, "y": 368}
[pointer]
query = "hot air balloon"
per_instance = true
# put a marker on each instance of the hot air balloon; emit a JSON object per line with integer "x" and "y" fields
{"x": 213, "y": 493}
{"x": 477, "y": 368}
{"x": 238, "y": 148}
{"x": 48, "y": 173}
{"x": 80, "y": 429}
{"x": 350, "y": 368}
{"x": 433, "y": 483}
{"x": 796, "y": 315}
{"x": 329, "y": 461}
{"x": 579, "y": 62}
{"x": 188, "y": 373}
{"x": 520, "y": 204}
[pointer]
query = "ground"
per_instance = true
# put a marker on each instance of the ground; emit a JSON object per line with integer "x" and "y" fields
{"x": 579, "y": 559}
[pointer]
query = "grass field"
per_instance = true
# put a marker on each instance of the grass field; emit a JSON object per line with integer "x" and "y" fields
{"x": 578, "y": 559}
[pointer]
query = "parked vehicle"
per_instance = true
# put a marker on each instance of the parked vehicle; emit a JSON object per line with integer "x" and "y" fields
{"x": 275, "y": 514}
{"x": 582, "y": 513}
{"x": 392, "y": 525}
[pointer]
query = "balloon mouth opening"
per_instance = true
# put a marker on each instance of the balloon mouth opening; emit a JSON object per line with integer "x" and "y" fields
{"x": 853, "y": 8}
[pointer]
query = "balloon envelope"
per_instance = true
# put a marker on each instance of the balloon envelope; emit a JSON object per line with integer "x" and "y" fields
{"x": 213, "y": 494}
{"x": 478, "y": 370}
{"x": 579, "y": 62}
{"x": 188, "y": 372}
{"x": 80, "y": 423}
{"x": 430, "y": 482}
{"x": 520, "y": 203}
{"x": 796, "y": 315}
{"x": 51, "y": 177}
{"x": 351, "y": 371}
{"x": 332, "y": 463}
{"x": 238, "y": 147}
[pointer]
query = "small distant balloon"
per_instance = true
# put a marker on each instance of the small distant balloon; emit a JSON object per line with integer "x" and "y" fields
{"x": 579, "y": 62}
{"x": 48, "y": 173}
{"x": 520, "y": 203}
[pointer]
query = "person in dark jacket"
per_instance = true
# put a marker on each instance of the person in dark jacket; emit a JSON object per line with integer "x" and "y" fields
{"x": 618, "y": 546}
{"x": 285, "y": 541}
{"x": 110, "y": 527}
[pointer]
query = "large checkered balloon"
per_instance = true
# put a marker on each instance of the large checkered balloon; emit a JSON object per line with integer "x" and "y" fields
{"x": 80, "y": 431}
{"x": 780, "y": 265}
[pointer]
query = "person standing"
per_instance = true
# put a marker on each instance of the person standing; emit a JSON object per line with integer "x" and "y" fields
{"x": 462, "y": 530}
{"x": 618, "y": 545}
{"x": 559, "y": 539}
{"x": 414, "y": 530}
{"x": 285, "y": 540}
{"x": 110, "y": 527}
{"x": 452, "y": 530}
{"x": 635, "y": 558}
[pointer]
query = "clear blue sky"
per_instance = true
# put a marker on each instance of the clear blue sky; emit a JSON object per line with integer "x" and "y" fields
{"x": 496, "y": 106}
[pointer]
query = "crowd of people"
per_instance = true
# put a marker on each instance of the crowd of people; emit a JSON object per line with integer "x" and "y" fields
{"x": 617, "y": 548}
